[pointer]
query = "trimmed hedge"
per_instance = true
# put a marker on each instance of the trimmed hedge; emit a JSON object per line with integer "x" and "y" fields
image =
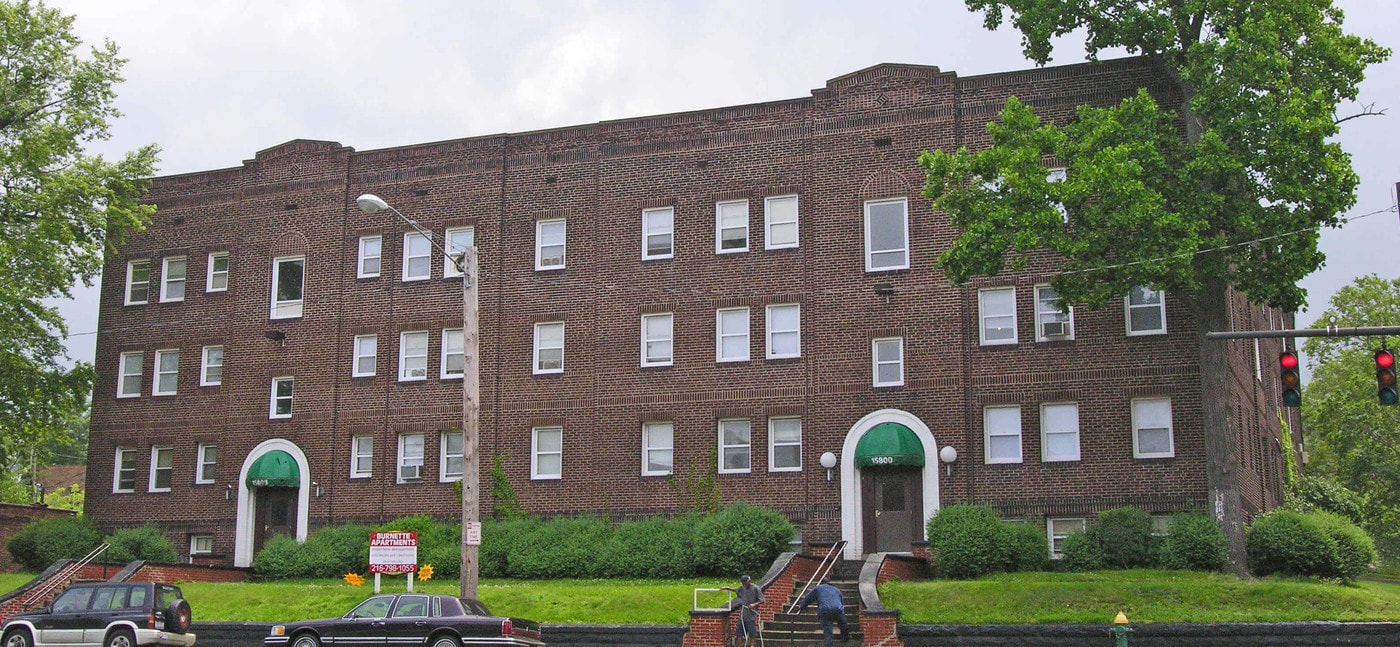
{"x": 147, "y": 543}
{"x": 740, "y": 538}
{"x": 1194, "y": 542}
{"x": 1316, "y": 544}
{"x": 965, "y": 541}
{"x": 41, "y": 543}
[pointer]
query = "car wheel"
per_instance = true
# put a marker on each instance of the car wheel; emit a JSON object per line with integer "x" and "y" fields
{"x": 305, "y": 640}
{"x": 18, "y": 638}
{"x": 446, "y": 641}
{"x": 177, "y": 616}
{"x": 120, "y": 638}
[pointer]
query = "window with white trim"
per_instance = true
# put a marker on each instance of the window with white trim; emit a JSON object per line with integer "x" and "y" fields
{"x": 281, "y": 406}
{"x": 1057, "y": 175}
{"x": 658, "y": 233}
{"x": 1152, "y": 428}
{"x": 887, "y": 361}
{"x": 784, "y": 330}
{"x": 780, "y": 222}
{"x": 735, "y": 448}
{"x": 549, "y": 347}
{"x": 1059, "y": 432}
{"x": 656, "y": 339}
{"x": 371, "y": 256}
{"x": 1002, "y": 433}
{"x": 1050, "y": 323}
{"x": 454, "y": 354}
{"x": 410, "y": 457}
{"x": 129, "y": 378}
{"x": 732, "y": 226}
{"x": 417, "y": 257}
{"x": 785, "y": 444}
{"x": 162, "y": 466}
{"x": 288, "y": 281}
{"x": 996, "y": 310}
{"x": 205, "y": 459}
{"x": 362, "y": 457}
{"x": 172, "y": 278}
{"x": 459, "y": 239}
{"x": 657, "y": 439}
{"x": 1058, "y": 530}
{"x": 451, "y": 459}
{"x": 138, "y": 282}
{"x": 886, "y": 235}
{"x": 413, "y": 355}
{"x": 1146, "y": 310}
{"x": 550, "y": 236}
{"x": 216, "y": 279}
{"x": 124, "y": 476}
{"x": 366, "y": 356}
{"x": 167, "y": 378}
{"x": 732, "y": 335}
{"x": 211, "y": 366}
{"x": 201, "y": 545}
{"x": 547, "y": 453}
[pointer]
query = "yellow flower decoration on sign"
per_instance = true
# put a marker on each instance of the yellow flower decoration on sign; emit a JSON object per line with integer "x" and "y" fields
{"x": 354, "y": 579}
{"x": 425, "y": 573}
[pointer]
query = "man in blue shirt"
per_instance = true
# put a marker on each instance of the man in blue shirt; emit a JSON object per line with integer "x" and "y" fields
{"x": 830, "y": 609}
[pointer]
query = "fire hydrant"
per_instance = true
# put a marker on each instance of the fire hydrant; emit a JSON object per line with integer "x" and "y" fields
{"x": 1120, "y": 630}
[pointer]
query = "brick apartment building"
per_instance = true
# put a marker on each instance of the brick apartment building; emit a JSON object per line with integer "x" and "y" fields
{"x": 729, "y": 292}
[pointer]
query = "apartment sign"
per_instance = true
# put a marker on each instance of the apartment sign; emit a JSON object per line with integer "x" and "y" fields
{"x": 393, "y": 552}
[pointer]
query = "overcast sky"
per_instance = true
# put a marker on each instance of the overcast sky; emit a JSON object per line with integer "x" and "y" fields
{"x": 213, "y": 82}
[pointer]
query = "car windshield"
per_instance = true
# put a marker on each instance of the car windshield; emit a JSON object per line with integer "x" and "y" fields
{"x": 375, "y": 607}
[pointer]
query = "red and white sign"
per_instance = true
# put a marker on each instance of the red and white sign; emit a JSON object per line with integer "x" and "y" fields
{"x": 393, "y": 552}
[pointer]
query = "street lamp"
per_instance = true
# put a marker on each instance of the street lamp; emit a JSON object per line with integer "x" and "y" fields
{"x": 466, "y": 263}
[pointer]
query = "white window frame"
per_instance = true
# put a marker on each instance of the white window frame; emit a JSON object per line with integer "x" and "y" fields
{"x": 214, "y": 273}
{"x": 131, "y": 282}
{"x": 983, "y": 316}
{"x": 454, "y": 344}
{"x": 1047, "y": 312}
{"x": 1055, "y": 536}
{"x": 1057, "y": 175}
{"x": 124, "y": 375}
{"x": 205, "y": 364}
{"x": 361, "y": 447}
{"x": 449, "y": 265}
{"x": 669, "y": 339}
{"x": 648, "y": 447}
{"x": 774, "y": 444}
{"x": 876, "y": 362}
{"x": 870, "y": 251}
{"x": 272, "y": 407}
{"x": 539, "y": 346}
{"x": 169, "y": 279}
{"x": 1046, "y": 432}
{"x": 289, "y": 308}
{"x": 771, "y": 332}
{"x": 536, "y": 453}
{"x": 1138, "y": 428}
{"x": 732, "y": 206}
{"x": 201, "y": 545}
{"x": 406, "y": 372}
{"x": 540, "y": 244}
{"x": 723, "y": 333}
{"x": 406, "y": 461}
{"x": 206, "y": 456}
{"x": 117, "y": 469}
{"x": 1161, "y": 306}
{"x": 157, "y": 372}
{"x": 769, "y": 221}
{"x": 425, "y": 255}
{"x": 358, "y": 354}
{"x": 445, "y": 456}
{"x": 988, "y": 433}
{"x": 157, "y": 453}
{"x": 363, "y": 256}
{"x": 738, "y": 424}
{"x": 652, "y": 227}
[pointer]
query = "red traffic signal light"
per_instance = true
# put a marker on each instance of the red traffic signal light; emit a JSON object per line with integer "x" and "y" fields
{"x": 1288, "y": 377}
{"x": 1386, "y": 391}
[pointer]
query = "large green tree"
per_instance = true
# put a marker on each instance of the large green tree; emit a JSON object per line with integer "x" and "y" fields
{"x": 1228, "y": 187}
{"x": 60, "y": 208}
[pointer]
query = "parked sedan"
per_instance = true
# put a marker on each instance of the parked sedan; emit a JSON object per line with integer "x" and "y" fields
{"x": 409, "y": 620}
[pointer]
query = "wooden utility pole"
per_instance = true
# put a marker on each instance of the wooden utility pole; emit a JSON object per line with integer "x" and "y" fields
{"x": 471, "y": 421}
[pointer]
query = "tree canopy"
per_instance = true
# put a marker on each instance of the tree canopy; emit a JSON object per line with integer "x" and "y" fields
{"x": 60, "y": 207}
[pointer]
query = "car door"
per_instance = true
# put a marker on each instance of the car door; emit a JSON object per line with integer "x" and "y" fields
{"x": 106, "y": 600}
{"x": 363, "y": 626}
{"x": 408, "y": 625}
{"x": 64, "y": 623}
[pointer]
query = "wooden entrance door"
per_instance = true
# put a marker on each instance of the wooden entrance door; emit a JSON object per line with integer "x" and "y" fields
{"x": 893, "y": 502}
{"x": 275, "y": 514}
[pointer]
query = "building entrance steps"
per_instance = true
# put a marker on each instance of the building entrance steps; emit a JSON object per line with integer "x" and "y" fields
{"x": 803, "y": 629}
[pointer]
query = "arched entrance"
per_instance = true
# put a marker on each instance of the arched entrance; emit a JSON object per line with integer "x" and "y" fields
{"x": 273, "y": 489}
{"x": 889, "y": 482}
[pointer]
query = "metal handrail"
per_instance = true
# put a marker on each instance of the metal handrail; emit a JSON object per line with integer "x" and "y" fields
{"x": 823, "y": 568}
{"x": 62, "y": 577}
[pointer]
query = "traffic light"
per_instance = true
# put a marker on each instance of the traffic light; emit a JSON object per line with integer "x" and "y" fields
{"x": 1288, "y": 377}
{"x": 1385, "y": 378}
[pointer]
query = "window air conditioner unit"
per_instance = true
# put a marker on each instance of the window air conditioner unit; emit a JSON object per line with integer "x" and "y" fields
{"x": 409, "y": 472}
{"x": 1054, "y": 328}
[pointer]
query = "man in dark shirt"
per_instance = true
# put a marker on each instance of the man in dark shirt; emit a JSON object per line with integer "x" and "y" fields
{"x": 746, "y": 599}
{"x": 830, "y": 609}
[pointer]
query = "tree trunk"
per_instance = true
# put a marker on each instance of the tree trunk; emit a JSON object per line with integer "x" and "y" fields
{"x": 1219, "y": 420}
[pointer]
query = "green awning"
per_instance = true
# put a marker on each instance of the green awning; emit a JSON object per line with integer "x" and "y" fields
{"x": 889, "y": 444}
{"x": 274, "y": 469}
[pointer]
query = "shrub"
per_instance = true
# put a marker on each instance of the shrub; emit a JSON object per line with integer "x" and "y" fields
{"x": 653, "y": 548}
{"x": 282, "y": 557}
{"x": 1123, "y": 539}
{"x": 1081, "y": 552}
{"x": 561, "y": 548}
{"x": 1290, "y": 543}
{"x": 345, "y": 548}
{"x": 1312, "y": 493}
{"x": 144, "y": 543}
{"x": 741, "y": 538}
{"x": 41, "y": 543}
{"x": 1194, "y": 542}
{"x": 1023, "y": 548}
{"x": 498, "y": 540}
{"x": 964, "y": 540}
{"x": 1355, "y": 550}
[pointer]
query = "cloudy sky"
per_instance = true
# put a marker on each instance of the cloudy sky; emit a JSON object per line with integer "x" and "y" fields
{"x": 213, "y": 82}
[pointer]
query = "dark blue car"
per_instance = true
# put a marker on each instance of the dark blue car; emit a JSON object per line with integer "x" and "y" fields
{"x": 409, "y": 620}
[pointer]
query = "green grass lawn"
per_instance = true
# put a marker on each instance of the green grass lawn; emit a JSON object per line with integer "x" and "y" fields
{"x": 1144, "y": 595}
